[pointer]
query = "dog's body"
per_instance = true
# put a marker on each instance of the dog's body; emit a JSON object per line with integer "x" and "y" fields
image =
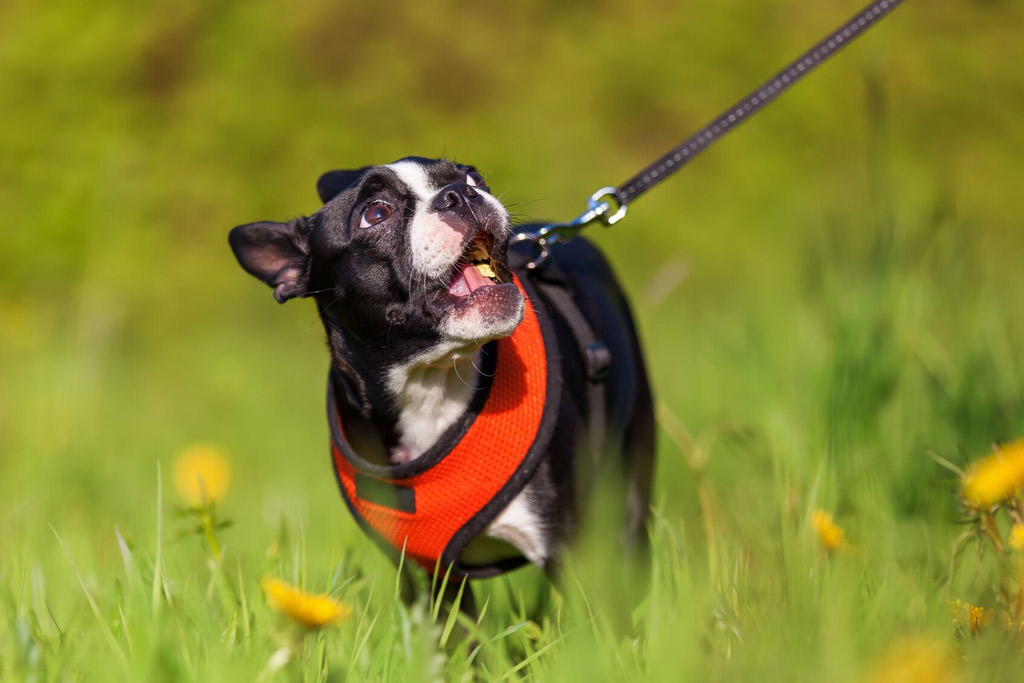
{"x": 410, "y": 268}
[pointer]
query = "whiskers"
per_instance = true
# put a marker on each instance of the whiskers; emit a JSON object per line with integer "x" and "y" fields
{"x": 319, "y": 309}
{"x": 472, "y": 360}
{"x": 455, "y": 366}
{"x": 320, "y": 291}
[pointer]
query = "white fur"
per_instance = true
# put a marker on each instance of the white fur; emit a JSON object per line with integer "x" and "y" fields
{"x": 415, "y": 177}
{"x": 431, "y": 397}
{"x": 435, "y": 245}
{"x": 519, "y": 525}
{"x": 475, "y": 325}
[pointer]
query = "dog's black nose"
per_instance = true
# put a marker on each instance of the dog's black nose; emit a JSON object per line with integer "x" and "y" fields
{"x": 453, "y": 196}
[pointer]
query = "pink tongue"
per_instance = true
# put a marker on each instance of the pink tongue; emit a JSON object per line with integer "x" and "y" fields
{"x": 468, "y": 281}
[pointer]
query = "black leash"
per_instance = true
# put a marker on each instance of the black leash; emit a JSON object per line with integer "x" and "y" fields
{"x": 608, "y": 205}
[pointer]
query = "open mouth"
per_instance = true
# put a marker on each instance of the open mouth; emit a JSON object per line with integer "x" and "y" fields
{"x": 481, "y": 301}
{"x": 476, "y": 269}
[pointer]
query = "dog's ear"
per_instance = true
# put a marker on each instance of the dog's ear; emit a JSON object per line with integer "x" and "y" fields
{"x": 333, "y": 183}
{"x": 277, "y": 253}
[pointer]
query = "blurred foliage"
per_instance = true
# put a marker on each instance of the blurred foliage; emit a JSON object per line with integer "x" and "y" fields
{"x": 827, "y": 296}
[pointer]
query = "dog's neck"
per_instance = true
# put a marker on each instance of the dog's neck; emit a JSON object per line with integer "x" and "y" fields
{"x": 429, "y": 398}
{"x": 408, "y": 406}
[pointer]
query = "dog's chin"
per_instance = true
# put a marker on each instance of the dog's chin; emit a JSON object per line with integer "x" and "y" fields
{"x": 487, "y": 312}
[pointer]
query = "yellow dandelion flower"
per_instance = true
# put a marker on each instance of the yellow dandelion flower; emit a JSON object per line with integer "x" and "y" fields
{"x": 979, "y": 618}
{"x": 912, "y": 659}
{"x": 312, "y": 611}
{"x": 973, "y": 617}
{"x": 995, "y": 477}
{"x": 1017, "y": 537}
{"x": 201, "y": 474}
{"x": 831, "y": 536}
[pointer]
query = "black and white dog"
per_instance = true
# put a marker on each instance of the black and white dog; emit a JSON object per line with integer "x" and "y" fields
{"x": 410, "y": 267}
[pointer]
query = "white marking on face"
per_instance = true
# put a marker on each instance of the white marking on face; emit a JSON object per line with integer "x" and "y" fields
{"x": 435, "y": 245}
{"x": 415, "y": 177}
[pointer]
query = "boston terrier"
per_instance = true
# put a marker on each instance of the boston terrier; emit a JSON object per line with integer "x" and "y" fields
{"x": 413, "y": 276}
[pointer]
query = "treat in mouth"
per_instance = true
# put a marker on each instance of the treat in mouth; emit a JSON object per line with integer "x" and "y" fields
{"x": 476, "y": 269}
{"x": 481, "y": 258}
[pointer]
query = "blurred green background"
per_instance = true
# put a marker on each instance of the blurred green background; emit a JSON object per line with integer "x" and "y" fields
{"x": 837, "y": 284}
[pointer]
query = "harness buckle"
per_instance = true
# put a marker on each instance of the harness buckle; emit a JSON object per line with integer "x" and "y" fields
{"x": 598, "y": 361}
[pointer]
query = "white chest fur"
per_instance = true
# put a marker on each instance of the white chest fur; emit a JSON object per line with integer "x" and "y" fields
{"x": 431, "y": 397}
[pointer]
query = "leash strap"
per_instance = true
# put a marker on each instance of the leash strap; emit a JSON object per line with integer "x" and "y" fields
{"x": 754, "y": 102}
{"x": 608, "y": 205}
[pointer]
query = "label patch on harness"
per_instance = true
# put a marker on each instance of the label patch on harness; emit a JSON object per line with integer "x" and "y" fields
{"x": 392, "y": 496}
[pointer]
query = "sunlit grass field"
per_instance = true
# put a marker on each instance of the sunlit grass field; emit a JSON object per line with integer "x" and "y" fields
{"x": 830, "y": 301}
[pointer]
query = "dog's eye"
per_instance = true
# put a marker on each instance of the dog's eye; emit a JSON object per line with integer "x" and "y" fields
{"x": 475, "y": 179}
{"x": 374, "y": 214}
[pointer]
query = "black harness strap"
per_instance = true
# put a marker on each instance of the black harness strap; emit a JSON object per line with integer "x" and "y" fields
{"x": 556, "y": 292}
{"x": 594, "y": 354}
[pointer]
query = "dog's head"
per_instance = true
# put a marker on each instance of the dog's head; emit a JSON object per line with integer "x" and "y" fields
{"x": 407, "y": 260}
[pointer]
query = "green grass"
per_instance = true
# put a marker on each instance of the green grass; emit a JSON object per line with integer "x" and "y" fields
{"x": 829, "y": 300}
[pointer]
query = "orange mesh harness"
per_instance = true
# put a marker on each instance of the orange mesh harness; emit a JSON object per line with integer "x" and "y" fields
{"x": 432, "y": 507}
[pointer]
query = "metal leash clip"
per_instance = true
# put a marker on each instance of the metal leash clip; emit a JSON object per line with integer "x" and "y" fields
{"x": 604, "y": 206}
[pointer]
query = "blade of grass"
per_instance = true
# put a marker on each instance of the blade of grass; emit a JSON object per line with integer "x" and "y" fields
{"x": 158, "y": 563}
{"x": 131, "y": 568}
{"x": 436, "y": 607}
{"x": 124, "y": 627}
{"x": 398, "y": 575}
{"x": 529, "y": 659}
{"x": 453, "y": 614}
{"x": 114, "y": 645}
{"x": 362, "y": 643}
{"x": 216, "y": 562}
{"x": 471, "y": 637}
{"x": 504, "y": 634}
{"x": 246, "y": 627}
